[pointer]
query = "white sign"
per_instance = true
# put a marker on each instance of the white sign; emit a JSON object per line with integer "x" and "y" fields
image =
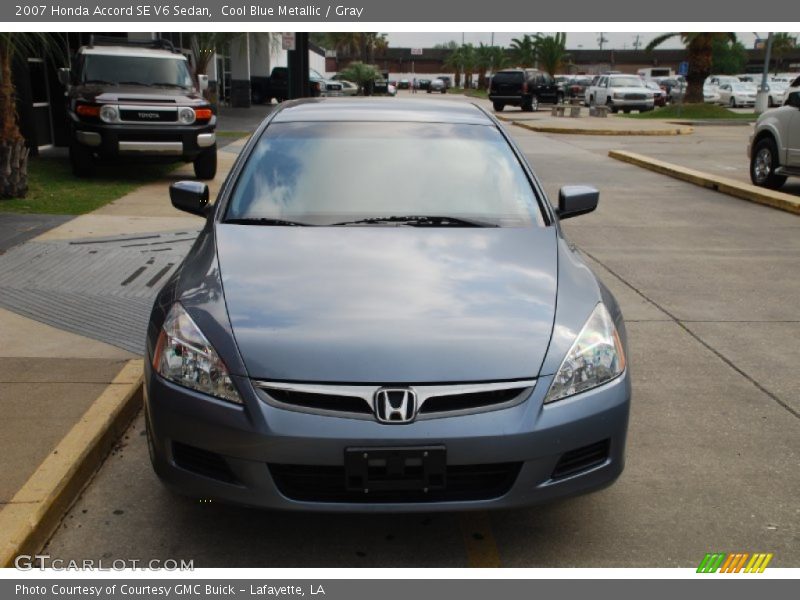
{"x": 416, "y": 52}
{"x": 287, "y": 41}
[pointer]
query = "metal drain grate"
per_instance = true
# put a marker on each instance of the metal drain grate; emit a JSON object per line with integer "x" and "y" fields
{"x": 102, "y": 288}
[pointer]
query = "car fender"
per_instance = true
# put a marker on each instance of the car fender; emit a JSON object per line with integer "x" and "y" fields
{"x": 773, "y": 123}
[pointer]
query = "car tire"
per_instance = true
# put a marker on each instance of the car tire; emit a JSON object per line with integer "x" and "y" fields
{"x": 559, "y": 98}
{"x": 498, "y": 106}
{"x": 770, "y": 102}
{"x": 205, "y": 165}
{"x": 591, "y": 101}
{"x": 256, "y": 97}
{"x": 613, "y": 109}
{"x": 531, "y": 105}
{"x": 733, "y": 102}
{"x": 763, "y": 162}
{"x": 81, "y": 159}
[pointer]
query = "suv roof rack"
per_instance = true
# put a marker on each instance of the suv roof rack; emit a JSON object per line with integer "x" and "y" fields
{"x": 107, "y": 40}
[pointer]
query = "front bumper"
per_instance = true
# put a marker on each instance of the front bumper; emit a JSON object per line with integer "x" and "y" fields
{"x": 176, "y": 141}
{"x": 646, "y": 104}
{"x": 247, "y": 442}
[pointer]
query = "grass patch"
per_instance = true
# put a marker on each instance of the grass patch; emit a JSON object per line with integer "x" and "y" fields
{"x": 53, "y": 189}
{"x": 233, "y": 134}
{"x": 692, "y": 112}
{"x": 471, "y": 93}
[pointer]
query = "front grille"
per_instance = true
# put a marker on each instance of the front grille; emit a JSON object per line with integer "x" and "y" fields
{"x": 145, "y": 115}
{"x": 358, "y": 401}
{"x": 635, "y": 96}
{"x": 584, "y": 458}
{"x": 202, "y": 462}
{"x": 334, "y": 87}
{"x": 150, "y": 136}
{"x": 326, "y": 402}
{"x": 319, "y": 483}
{"x": 457, "y": 402}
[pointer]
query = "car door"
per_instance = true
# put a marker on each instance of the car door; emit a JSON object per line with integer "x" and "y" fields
{"x": 724, "y": 93}
{"x": 793, "y": 131}
{"x": 602, "y": 91}
{"x": 548, "y": 87}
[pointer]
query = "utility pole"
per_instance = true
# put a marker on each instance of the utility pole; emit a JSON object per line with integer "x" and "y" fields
{"x": 602, "y": 40}
{"x": 637, "y": 43}
{"x": 762, "y": 98}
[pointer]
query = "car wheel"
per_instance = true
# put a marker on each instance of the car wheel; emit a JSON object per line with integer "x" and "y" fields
{"x": 591, "y": 101}
{"x": 763, "y": 162}
{"x": 531, "y": 105}
{"x": 611, "y": 107}
{"x": 205, "y": 165}
{"x": 770, "y": 102}
{"x": 498, "y": 106}
{"x": 733, "y": 103}
{"x": 81, "y": 159}
{"x": 560, "y": 99}
{"x": 256, "y": 97}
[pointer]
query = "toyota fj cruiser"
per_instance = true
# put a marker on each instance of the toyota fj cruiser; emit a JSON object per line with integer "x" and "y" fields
{"x": 131, "y": 99}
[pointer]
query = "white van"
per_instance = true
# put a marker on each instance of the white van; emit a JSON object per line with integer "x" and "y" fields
{"x": 653, "y": 72}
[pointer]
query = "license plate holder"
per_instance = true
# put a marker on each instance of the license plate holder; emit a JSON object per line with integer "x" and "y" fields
{"x": 389, "y": 469}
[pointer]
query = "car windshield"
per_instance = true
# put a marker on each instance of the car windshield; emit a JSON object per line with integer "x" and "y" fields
{"x": 744, "y": 87}
{"x": 323, "y": 173}
{"x": 625, "y": 82}
{"x": 144, "y": 70}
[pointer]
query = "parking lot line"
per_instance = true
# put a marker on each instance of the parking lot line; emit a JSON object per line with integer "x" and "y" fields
{"x": 476, "y": 529}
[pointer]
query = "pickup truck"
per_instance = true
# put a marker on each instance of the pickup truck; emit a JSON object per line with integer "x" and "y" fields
{"x": 774, "y": 149}
{"x": 264, "y": 89}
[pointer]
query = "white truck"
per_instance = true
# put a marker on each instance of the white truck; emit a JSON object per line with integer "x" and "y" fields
{"x": 774, "y": 148}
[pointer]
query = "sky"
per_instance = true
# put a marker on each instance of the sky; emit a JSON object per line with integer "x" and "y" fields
{"x": 574, "y": 40}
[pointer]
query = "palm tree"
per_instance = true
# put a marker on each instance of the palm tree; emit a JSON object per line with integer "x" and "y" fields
{"x": 523, "y": 51}
{"x": 468, "y": 61}
{"x": 455, "y": 62}
{"x": 13, "y": 151}
{"x": 699, "y": 47}
{"x": 483, "y": 62}
{"x": 781, "y": 44}
{"x": 551, "y": 51}
{"x": 361, "y": 74}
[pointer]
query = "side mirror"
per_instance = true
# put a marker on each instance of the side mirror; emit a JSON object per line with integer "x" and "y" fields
{"x": 64, "y": 76}
{"x": 574, "y": 200}
{"x": 189, "y": 196}
{"x": 202, "y": 83}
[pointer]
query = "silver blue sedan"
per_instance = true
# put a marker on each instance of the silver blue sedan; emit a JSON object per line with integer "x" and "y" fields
{"x": 430, "y": 345}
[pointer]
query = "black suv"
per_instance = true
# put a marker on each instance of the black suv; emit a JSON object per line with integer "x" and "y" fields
{"x": 525, "y": 88}
{"x": 131, "y": 100}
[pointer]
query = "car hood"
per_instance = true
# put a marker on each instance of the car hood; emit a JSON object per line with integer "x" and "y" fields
{"x": 389, "y": 304}
{"x": 135, "y": 93}
{"x": 630, "y": 90}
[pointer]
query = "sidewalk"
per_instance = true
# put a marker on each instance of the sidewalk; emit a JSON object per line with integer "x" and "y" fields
{"x": 58, "y": 387}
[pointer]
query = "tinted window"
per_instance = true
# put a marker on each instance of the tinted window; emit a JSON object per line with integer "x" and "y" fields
{"x": 136, "y": 69}
{"x": 508, "y": 77}
{"x": 327, "y": 172}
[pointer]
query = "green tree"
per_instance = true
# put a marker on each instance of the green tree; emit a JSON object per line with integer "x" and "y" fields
{"x": 728, "y": 57}
{"x": 451, "y": 45}
{"x": 361, "y": 74}
{"x": 455, "y": 61}
{"x": 523, "y": 51}
{"x": 782, "y": 44}
{"x": 551, "y": 51}
{"x": 699, "y": 47}
{"x": 13, "y": 151}
{"x": 469, "y": 63}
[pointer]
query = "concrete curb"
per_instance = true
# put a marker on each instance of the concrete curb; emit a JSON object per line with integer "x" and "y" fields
{"x": 34, "y": 513}
{"x": 608, "y": 132}
{"x": 732, "y": 187}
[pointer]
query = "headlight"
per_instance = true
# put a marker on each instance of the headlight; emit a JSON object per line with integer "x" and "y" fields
{"x": 596, "y": 357}
{"x": 109, "y": 113}
{"x": 184, "y": 356}
{"x": 186, "y": 115}
{"x": 618, "y": 95}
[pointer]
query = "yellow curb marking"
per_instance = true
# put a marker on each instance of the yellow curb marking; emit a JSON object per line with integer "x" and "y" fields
{"x": 476, "y": 529}
{"x": 608, "y": 132}
{"x": 732, "y": 187}
{"x": 35, "y": 511}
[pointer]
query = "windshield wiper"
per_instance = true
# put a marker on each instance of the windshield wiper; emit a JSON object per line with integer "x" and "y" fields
{"x": 266, "y": 221}
{"x": 165, "y": 84}
{"x": 420, "y": 221}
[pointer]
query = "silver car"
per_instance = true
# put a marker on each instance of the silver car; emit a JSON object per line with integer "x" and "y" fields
{"x": 437, "y": 85}
{"x": 434, "y": 346}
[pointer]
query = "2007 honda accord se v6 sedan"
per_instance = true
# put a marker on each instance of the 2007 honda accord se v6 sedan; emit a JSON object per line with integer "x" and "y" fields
{"x": 382, "y": 314}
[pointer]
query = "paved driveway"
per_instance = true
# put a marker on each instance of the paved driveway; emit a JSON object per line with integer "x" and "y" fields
{"x": 708, "y": 285}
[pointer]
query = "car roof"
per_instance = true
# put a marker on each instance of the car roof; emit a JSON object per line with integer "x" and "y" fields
{"x": 131, "y": 51}
{"x": 381, "y": 109}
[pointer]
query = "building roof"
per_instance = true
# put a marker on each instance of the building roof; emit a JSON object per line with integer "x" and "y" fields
{"x": 382, "y": 109}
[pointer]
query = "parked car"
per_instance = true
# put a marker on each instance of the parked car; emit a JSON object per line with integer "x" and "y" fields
{"x": 422, "y": 84}
{"x": 348, "y": 87}
{"x": 136, "y": 100}
{"x": 776, "y": 92}
{"x": 576, "y": 87}
{"x": 391, "y": 90}
{"x": 463, "y": 355}
{"x": 403, "y": 84}
{"x": 437, "y": 85}
{"x": 774, "y": 149}
{"x": 447, "y": 81}
{"x": 621, "y": 92}
{"x": 737, "y": 94}
{"x": 710, "y": 94}
{"x": 321, "y": 86}
{"x": 659, "y": 93}
{"x": 525, "y": 88}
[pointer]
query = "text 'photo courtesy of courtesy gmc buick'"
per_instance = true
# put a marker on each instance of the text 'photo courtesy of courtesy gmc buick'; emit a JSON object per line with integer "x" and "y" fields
{"x": 136, "y": 100}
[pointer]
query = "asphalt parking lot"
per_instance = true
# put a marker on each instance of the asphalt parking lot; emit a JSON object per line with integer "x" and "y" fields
{"x": 708, "y": 285}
